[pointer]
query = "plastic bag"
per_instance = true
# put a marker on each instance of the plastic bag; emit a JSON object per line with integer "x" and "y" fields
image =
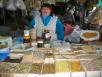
{"x": 14, "y": 4}
{"x": 1, "y": 3}
{"x": 11, "y": 5}
{"x": 20, "y": 4}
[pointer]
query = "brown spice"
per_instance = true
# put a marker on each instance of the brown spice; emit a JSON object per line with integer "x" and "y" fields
{"x": 48, "y": 69}
{"x": 36, "y": 68}
{"x": 89, "y": 35}
{"x": 2, "y": 46}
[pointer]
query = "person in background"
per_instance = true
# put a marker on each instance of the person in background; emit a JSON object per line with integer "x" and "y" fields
{"x": 47, "y": 21}
{"x": 69, "y": 15}
{"x": 71, "y": 32}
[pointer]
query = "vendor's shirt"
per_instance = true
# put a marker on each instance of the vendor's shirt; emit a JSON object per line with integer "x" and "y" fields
{"x": 59, "y": 26}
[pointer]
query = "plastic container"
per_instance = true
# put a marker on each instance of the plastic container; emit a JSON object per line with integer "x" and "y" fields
{"x": 4, "y": 53}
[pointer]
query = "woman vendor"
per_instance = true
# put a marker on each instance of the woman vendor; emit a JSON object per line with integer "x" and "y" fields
{"x": 47, "y": 21}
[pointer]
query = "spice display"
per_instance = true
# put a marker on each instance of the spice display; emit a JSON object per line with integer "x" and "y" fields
{"x": 89, "y": 35}
{"x": 49, "y": 55}
{"x": 8, "y": 67}
{"x": 76, "y": 48}
{"x": 62, "y": 66}
{"x": 48, "y": 69}
{"x": 76, "y": 66}
{"x": 87, "y": 49}
{"x": 38, "y": 57}
{"x": 23, "y": 68}
{"x": 47, "y": 49}
{"x": 6, "y": 75}
{"x": 28, "y": 58}
{"x": 58, "y": 57}
{"x": 36, "y": 68}
{"x": 87, "y": 56}
{"x": 88, "y": 65}
{"x": 69, "y": 56}
{"x": 98, "y": 63}
{"x": 2, "y": 46}
{"x": 49, "y": 58}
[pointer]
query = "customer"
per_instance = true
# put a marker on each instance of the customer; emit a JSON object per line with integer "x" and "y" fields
{"x": 71, "y": 32}
{"x": 47, "y": 21}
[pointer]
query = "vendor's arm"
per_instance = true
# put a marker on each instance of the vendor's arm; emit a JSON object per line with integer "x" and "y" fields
{"x": 59, "y": 30}
{"x": 32, "y": 24}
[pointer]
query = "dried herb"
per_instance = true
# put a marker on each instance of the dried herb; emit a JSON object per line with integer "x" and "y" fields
{"x": 8, "y": 67}
{"x": 36, "y": 68}
{"x": 48, "y": 69}
{"x": 98, "y": 63}
{"x": 62, "y": 66}
{"x": 89, "y": 35}
{"x": 6, "y": 75}
{"x": 86, "y": 56}
{"x": 76, "y": 66}
{"x": 2, "y": 46}
{"x": 88, "y": 65}
{"x": 23, "y": 68}
{"x": 49, "y": 55}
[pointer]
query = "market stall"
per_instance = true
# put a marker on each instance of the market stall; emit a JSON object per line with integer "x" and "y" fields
{"x": 31, "y": 56}
{"x": 78, "y": 60}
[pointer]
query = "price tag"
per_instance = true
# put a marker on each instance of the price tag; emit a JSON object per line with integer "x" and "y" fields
{"x": 49, "y": 60}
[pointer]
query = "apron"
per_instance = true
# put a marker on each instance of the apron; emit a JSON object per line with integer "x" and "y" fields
{"x": 51, "y": 26}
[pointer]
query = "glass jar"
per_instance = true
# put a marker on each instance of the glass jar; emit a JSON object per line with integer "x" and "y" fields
{"x": 40, "y": 42}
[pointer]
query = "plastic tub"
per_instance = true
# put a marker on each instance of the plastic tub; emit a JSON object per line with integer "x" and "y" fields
{"x": 4, "y": 53}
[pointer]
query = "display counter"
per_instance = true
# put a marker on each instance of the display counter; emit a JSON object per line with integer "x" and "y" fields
{"x": 81, "y": 61}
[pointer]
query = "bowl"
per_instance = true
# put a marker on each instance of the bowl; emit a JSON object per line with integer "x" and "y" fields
{"x": 4, "y": 53}
{"x": 89, "y": 35}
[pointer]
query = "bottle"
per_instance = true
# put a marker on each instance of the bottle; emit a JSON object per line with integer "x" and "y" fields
{"x": 27, "y": 38}
{"x": 33, "y": 34}
{"x": 47, "y": 37}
